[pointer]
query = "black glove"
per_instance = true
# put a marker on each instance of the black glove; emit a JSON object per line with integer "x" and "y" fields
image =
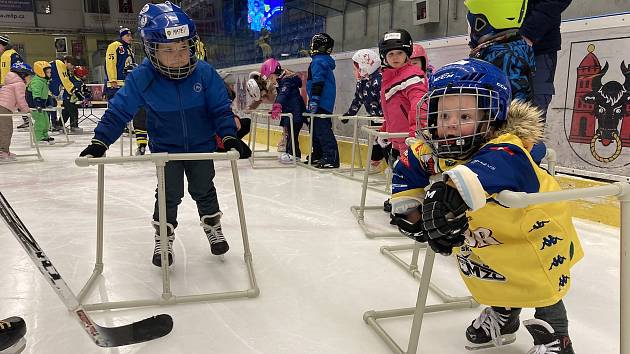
{"x": 444, "y": 212}
{"x": 39, "y": 109}
{"x": 444, "y": 246}
{"x": 344, "y": 121}
{"x": 414, "y": 231}
{"x": 79, "y": 95}
{"x": 230, "y": 142}
{"x": 96, "y": 149}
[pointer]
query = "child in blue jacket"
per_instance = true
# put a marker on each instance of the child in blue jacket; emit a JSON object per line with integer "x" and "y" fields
{"x": 186, "y": 105}
{"x": 321, "y": 90}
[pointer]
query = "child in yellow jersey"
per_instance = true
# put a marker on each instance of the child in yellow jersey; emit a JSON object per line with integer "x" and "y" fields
{"x": 477, "y": 143}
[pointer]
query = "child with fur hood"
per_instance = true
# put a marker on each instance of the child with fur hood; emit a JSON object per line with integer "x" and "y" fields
{"x": 479, "y": 141}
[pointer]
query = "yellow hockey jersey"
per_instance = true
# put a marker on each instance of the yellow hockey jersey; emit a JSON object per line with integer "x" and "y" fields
{"x": 8, "y": 58}
{"x": 512, "y": 257}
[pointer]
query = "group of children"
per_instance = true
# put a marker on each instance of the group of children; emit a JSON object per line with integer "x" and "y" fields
{"x": 31, "y": 89}
{"x": 476, "y": 133}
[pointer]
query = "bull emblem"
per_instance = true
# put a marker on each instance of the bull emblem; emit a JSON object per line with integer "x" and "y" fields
{"x": 609, "y": 102}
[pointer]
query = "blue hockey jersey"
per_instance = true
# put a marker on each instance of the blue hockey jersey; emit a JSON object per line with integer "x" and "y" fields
{"x": 182, "y": 115}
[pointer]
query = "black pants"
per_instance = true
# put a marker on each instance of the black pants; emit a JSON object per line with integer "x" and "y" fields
{"x": 324, "y": 141}
{"x": 200, "y": 187}
{"x": 70, "y": 110}
{"x": 555, "y": 315}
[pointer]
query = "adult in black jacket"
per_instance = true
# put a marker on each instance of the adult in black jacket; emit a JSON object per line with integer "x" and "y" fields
{"x": 541, "y": 29}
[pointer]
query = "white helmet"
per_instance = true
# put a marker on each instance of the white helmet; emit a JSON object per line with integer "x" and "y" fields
{"x": 367, "y": 61}
{"x": 253, "y": 91}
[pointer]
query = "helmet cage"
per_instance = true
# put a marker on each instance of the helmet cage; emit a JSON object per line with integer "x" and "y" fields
{"x": 459, "y": 145}
{"x": 152, "y": 48}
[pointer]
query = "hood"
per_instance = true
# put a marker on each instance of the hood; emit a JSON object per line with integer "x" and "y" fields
{"x": 524, "y": 122}
{"x": 12, "y": 78}
{"x": 367, "y": 61}
{"x": 325, "y": 59}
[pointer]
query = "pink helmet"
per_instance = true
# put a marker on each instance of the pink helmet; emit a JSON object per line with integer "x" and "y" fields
{"x": 420, "y": 52}
{"x": 270, "y": 66}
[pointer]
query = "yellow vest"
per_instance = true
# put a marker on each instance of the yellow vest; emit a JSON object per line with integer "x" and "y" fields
{"x": 518, "y": 257}
{"x": 5, "y": 64}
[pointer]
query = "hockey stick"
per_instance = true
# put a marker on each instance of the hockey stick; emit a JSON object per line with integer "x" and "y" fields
{"x": 137, "y": 332}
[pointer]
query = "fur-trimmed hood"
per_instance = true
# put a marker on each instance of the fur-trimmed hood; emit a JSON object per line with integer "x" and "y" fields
{"x": 523, "y": 121}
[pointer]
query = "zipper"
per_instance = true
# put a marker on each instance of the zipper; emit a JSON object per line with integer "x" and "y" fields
{"x": 183, "y": 119}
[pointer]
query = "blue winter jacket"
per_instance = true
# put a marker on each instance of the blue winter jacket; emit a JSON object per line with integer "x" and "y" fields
{"x": 368, "y": 93}
{"x": 542, "y": 24}
{"x": 182, "y": 115}
{"x": 321, "y": 81}
{"x": 515, "y": 58}
{"x": 290, "y": 98}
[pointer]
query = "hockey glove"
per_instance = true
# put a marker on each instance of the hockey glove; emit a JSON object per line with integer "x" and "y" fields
{"x": 96, "y": 149}
{"x": 444, "y": 246}
{"x": 414, "y": 231}
{"x": 276, "y": 109}
{"x": 313, "y": 104}
{"x": 78, "y": 94}
{"x": 230, "y": 142}
{"x": 444, "y": 212}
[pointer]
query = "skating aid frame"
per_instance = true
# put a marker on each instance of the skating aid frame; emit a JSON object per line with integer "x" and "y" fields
{"x": 168, "y": 297}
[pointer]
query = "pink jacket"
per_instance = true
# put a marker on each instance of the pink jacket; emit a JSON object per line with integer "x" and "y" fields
{"x": 401, "y": 90}
{"x": 13, "y": 93}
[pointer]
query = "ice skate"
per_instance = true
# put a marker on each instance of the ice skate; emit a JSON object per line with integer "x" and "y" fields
{"x": 12, "y": 331}
{"x": 545, "y": 339}
{"x": 157, "y": 251}
{"x": 212, "y": 227}
{"x": 141, "y": 150}
{"x": 493, "y": 328}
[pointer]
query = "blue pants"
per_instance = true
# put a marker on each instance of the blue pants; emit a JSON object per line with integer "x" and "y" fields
{"x": 324, "y": 142}
{"x": 543, "y": 80}
{"x": 297, "y": 126}
{"x": 110, "y": 92}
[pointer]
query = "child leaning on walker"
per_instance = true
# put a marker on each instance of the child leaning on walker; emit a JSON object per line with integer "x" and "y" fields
{"x": 509, "y": 258}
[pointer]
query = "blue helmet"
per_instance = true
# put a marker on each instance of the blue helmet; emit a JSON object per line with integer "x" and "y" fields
{"x": 469, "y": 77}
{"x": 22, "y": 69}
{"x": 167, "y": 23}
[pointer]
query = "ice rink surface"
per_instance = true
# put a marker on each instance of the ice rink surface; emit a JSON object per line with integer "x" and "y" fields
{"x": 316, "y": 270}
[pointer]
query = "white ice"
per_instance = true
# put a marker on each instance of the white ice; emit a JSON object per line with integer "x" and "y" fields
{"x": 316, "y": 270}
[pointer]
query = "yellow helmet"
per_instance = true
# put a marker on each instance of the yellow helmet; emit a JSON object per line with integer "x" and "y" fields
{"x": 501, "y": 14}
{"x": 39, "y": 67}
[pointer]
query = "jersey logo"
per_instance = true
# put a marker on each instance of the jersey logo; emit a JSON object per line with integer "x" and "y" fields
{"x": 481, "y": 238}
{"x": 404, "y": 158}
{"x": 549, "y": 241}
{"x": 472, "y": 269}
{"x": 564, "y": 280}
{"x": 539, "y": 225}
{"x": 557, "y": 261}
{"x": 430, "y": 194}
{"x": 197, "y": 87}
{"x": 121, "y": 50}
{"x": 503, "y": 148}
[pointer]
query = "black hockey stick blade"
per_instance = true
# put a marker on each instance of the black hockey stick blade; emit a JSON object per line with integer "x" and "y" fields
{"x": 137, "y": 332}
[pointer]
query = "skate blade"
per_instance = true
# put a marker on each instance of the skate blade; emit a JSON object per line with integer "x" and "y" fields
{"x": 505, "y": 340}
{"x": 16, "y": 348}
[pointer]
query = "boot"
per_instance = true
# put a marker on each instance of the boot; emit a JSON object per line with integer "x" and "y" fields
{"x": 141, "y": 150}
{"x": 493, "y": 328}
{"x": 545, "y": 339}
{"x": 157, "y": 251}
{"x": 12, "y": 331}
{"x": 212, "y": 227}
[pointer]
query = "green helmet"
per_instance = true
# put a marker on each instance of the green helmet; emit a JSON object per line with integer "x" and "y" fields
{"x": 501, "y": 14}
